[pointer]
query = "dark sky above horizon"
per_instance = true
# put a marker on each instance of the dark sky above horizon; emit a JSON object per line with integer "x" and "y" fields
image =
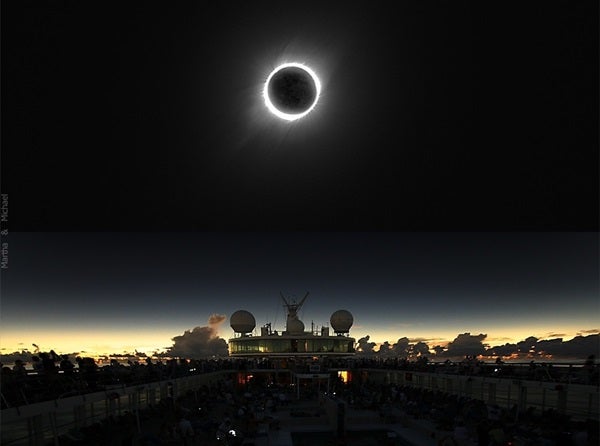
{"x": 437, "y": 116}
{"x": 134, "y": 286}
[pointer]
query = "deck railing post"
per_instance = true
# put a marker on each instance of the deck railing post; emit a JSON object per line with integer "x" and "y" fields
{"x": 561, "y": 404}
{"x": 35, "y": 426}
{"x": 492, "y": 393}
{"x": 522, "y": 397}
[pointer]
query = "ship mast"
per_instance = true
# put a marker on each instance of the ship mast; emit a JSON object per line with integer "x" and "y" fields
{"x": 292, "y": 309}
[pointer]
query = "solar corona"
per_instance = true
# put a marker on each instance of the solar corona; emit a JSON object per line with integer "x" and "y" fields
{"x": 291, "y": 91}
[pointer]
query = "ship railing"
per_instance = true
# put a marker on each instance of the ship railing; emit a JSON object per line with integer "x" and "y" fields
{"x": 47, "y": 421}
{"x": 581, "y": 401}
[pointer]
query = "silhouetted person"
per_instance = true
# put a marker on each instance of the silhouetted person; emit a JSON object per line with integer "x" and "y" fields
{"x": 48, "y": 365}
{"x": 19, "y": 369}
{"x": 591, "y": 372}
{"x": 37, "y": 364}
{"x": 497, "y": 435}
{"x": 87, "y": 369}
{"x": 66, "y": 365}
{"x": 186, "y": 431}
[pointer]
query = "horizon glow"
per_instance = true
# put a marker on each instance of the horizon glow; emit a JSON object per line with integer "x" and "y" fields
{"x": 150, "y": 341}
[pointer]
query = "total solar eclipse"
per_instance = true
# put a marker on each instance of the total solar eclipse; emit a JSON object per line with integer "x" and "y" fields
{"x": 291, "y": 91}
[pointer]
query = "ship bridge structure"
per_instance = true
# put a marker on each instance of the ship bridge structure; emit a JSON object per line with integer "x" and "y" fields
{"x": 294, "y": 341}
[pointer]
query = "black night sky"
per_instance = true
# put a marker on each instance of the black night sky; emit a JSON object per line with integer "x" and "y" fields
{"x": 445, "y": 116}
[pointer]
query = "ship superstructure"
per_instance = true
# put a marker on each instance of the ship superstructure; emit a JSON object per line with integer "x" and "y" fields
{"x": 295, "y": 340}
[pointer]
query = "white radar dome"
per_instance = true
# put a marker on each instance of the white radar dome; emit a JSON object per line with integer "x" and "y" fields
{"x": 295, "y": 326}
{"x": 242, "y": 321}
{"x": 341, "y": 321}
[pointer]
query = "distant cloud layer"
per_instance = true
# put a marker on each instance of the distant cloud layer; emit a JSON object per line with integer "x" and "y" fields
{"x": 204, "y": 341}
{"x": 364, "y": 346}
{"x": 578, "y": 347}
{"x": 467, "y": 344}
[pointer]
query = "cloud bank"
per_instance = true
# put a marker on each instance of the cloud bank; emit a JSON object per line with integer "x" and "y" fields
{"x": 467, "y": 344}
{"x": 204, "y": 341}
{"x": 200, "y": 342}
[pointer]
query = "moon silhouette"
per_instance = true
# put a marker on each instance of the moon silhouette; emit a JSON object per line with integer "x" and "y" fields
{"x": 291, "y": 91}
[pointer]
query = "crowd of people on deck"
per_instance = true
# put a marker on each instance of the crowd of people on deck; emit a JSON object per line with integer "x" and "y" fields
{"x": 210, "y": 412}
{"x": 221, "y": 414}
{"x": 465, "y": 421}
{"x": 226, "y": 413}
{"x": 54, "y": 376}
{"x": 587, "y": 373}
